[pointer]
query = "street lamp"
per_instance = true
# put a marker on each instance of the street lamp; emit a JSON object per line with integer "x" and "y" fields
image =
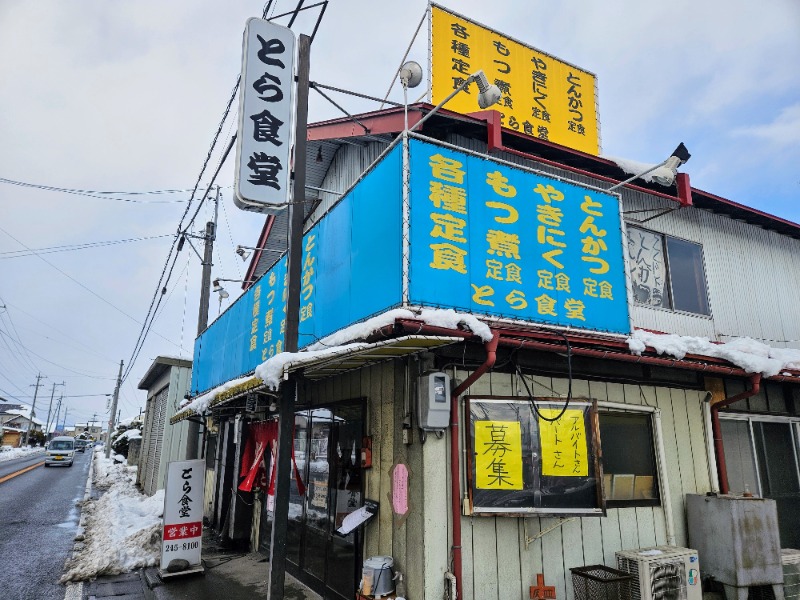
{"x": 488, "y": 94}
{"x": 243, "y": 250}
{"x": 678, "y": 157}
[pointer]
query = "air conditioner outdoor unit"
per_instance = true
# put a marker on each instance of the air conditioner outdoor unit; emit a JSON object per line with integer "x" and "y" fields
{"x": 662, "y": 573}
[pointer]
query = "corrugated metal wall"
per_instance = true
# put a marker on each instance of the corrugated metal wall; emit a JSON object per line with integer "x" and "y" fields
{"x": 497, "y": 562}
{"x": 151, "y": 453}
{"x": 349, "y": 163}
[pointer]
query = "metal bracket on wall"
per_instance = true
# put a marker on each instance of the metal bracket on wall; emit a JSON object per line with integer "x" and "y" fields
{"x": 530, "y": 540}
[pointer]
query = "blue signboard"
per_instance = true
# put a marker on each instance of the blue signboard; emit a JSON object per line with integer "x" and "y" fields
{"x": 486, "y": 238}
{"x": 351, "y": 270}
{"x": 491, "y": 239}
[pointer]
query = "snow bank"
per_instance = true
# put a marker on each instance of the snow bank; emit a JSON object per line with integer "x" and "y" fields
{"x": 122, "y": 527}
{"x": 12, "y": 453}
{"x": 131, "y": 434}
{"x": 745, "y": 353}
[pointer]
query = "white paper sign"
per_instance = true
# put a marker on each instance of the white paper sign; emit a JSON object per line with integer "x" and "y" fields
{"x": 183, "y": 512}
{"x": 266, "y": 117}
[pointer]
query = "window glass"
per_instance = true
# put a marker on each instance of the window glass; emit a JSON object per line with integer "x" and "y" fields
{"x": 687, "y": 276}
{"x": 629, "y": 466}
{"x": 647, "y": 268}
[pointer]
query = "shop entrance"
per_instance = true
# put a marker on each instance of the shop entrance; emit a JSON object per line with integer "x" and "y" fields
{"x": 327, "y": 443}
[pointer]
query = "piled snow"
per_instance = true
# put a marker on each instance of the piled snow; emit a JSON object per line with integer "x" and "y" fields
{"x": 633, "y": 167}
{"x": 129, "y": 421}
{"x": 271, "y": 372}
{"x": 745, "y": 353}
{"x": 131, "y": 434}
{"x": 24, "y": 412}
{"x": 359, "y": 331}
{"x": 122, "y": 527}
{"x": 12, "y": 453}
{"x": 200, "y": 404}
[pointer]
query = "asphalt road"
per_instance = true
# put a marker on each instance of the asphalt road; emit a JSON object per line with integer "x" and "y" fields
{"x": 39, "y": 515}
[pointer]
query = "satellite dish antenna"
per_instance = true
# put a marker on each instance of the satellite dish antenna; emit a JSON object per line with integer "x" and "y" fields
{"x": 410, "y": 74}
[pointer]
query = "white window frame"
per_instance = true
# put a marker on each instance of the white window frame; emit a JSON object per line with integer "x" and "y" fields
{"x": 750, "y": 419}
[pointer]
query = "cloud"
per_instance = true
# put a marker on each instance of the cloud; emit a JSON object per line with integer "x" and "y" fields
{"x": 784, "y": 130}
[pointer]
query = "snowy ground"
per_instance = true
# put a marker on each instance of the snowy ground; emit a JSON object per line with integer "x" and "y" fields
{"x": 11, "y": 453}
{"x": 122, "y": 528}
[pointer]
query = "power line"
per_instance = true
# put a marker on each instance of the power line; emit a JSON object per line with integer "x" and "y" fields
{"x": 86, "y": 348}
{"x": 98, "y": 194}
{"x": 183, "y": 229}
{"x": 50, "y": 361}
{"x": 82, "y": 285}
{"x": 71, "y": 247}
{"x": 7, "y": 315}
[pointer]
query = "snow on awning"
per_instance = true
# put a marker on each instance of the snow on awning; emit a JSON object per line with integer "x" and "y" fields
{"x": 315, "y": 366}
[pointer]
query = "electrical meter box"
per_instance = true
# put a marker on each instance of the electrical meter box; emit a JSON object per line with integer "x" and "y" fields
{"x": 433, "y": 401}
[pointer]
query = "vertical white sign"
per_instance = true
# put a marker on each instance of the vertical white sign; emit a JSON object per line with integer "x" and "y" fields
{"x": 183, "y": 512}
{"x": 266, "y": 117}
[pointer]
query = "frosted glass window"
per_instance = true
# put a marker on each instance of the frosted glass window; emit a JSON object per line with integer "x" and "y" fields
{"x": 667, "y": 272}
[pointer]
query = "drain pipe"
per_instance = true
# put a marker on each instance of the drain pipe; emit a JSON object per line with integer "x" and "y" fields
{"x": 455, "y": 463}
{"x": 755, "y": 386}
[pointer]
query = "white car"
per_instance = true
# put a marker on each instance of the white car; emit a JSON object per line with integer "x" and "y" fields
{"x": 60, "y": 451}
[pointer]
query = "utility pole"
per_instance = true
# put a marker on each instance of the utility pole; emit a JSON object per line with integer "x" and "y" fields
{"x": 193, "y": 433}
{"x": 279, "y": 540}
{"x": 39, "y": 377}
{"x": 58, "y": 413}
{"x": 66, "y": 410}
{"x": 50, "y": 408}
{"x": 113, "y": 411}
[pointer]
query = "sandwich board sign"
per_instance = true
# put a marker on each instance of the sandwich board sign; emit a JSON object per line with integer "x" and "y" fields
{"x": 182, "y": 531}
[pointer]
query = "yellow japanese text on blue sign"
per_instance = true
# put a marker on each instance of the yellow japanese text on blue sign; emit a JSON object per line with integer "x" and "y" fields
{"x": 488, "y": 238}
{"x": 542, "y": 96}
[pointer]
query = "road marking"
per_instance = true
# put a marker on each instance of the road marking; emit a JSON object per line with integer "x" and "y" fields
{"x": 20, "y": 472}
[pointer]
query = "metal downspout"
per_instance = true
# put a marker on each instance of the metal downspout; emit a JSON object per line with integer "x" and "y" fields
{"x": 755, "y": 386}
{"x": 455, "y": 463}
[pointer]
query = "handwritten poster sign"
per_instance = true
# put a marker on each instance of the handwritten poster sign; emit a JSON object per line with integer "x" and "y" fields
{"x": 498, "y": 455}
{"x": 564, "y": 444}
{"x": 543, "y": 96}
{"x": 522, "y": 464}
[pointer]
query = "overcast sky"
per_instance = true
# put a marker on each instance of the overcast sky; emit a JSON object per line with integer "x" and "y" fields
{"x": 126, "y": 97}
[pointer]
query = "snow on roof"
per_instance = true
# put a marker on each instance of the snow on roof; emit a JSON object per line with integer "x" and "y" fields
{"x": 131, "y": 434}
{"x": 745, "y": 353}
{"x": 633, "y": 167}
{"x": 271, "y": 372}
{"x": 24, "y": 413}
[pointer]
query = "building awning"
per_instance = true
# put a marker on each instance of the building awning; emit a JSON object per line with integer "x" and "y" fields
{"x": 338, "y": 360}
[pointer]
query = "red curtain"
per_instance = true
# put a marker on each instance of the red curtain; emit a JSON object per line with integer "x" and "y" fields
{"x": 260, "y": 437}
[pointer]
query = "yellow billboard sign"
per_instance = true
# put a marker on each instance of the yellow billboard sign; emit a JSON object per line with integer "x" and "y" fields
{"x": 498, "y": 455}
{"x": 542, "y": 96}
{"x": 564, "y": 443}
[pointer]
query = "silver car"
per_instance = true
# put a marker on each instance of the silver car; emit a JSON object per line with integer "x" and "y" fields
{"x": 60, "y": 451}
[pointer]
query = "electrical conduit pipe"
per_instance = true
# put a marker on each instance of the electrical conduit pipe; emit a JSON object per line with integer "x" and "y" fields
{"x": 455, "y": 454}
{"x": 755, "y": 386}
